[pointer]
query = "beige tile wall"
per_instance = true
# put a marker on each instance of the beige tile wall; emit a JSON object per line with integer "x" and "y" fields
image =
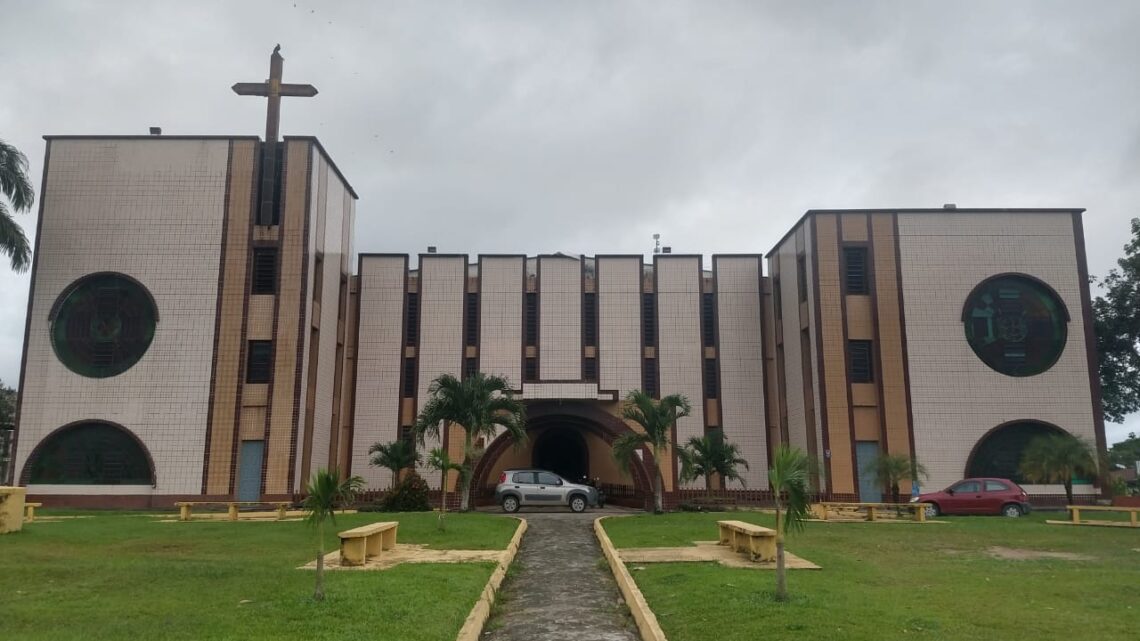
{"x": 560, "y": 319}
{"x": 793, "y": 363}
{"x": 443, "y": 283}
{"x": 741, "y": 363}
{"x": 955, "y": 397}
{"x": 151, "y": 209}
{"x": 500, "y": 317}
{"x": 679, "y": 345}
{"x": 379, "y": 362}
{"x": 619, "y": 324}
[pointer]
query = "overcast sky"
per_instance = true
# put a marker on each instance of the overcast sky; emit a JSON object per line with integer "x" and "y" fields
{"x": 586, "y": 127}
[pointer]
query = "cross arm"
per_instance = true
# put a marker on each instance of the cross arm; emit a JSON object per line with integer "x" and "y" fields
{"x": 306, "y": 91}
{"x": 250, "y": 89}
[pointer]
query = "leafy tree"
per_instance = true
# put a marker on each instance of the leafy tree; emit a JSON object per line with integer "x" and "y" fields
{"x": 1057, "y": 458}
{"x": 17, "y": 187}
{"x": 1117, "y": 325}
{"x": 396, "y": 456}
{"x": 1126, "y": 452}
{"x": 892, "y": 469}
{"x": 326, "y": 492}
{"x": 656, "y": 419}
{"x": 790, "y": 479}
{"x": 710, "y": 454}
{"x": 477, "y": 404}
{"x": 439, "y": 460}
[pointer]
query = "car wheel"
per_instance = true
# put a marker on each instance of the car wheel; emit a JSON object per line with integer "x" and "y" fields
{"x": 511, "y": 504}
{"x": 577, "y": 503}
{"x": 1012, "y": 510}
{"x": 931, "y": 511}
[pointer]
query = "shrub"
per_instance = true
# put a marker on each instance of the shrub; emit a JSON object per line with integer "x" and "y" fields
{"x": 409, "y": 495}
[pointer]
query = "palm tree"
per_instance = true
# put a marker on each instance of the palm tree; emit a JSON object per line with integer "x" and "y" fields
{"x": 477, "y": 404}
{"x": 1057, "y": 458}
{"x": 710, "y": 454}
{"x": 892, "y": 469}
{"x": 325, "y": 492}
{"x": 790, "y": 477}
{"x": 396, "y": 456}
{"x": 656, "y": 419}
{"x": 14, "y": 184}
{"x": 439, "y": 460}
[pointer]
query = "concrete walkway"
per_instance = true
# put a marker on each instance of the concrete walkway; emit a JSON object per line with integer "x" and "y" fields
{"x": 560, "y": 589}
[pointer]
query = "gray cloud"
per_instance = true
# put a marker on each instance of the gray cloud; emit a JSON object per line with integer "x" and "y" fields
{"x": 588, "y": 126}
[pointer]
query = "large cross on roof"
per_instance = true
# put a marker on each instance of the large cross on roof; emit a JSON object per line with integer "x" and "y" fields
{"x": 274, "y": 90}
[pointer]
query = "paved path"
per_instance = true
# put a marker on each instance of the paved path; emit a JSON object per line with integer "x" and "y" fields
{"x": 560, "y": 589}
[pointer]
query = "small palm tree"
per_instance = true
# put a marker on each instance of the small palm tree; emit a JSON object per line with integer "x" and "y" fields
{"x": 710, "y": 454}
{"x": 656, "y": 419}
{"x": 439, "y": 460}
{"x": 892, "y": 469}
{"x": 17, "y": 187}
{"x": 1057, "y": 458}
{"x": 396, "y": 456}
{"x": 790, "y": 478}
{"x": 478, "y": 404}
{"x": 326, "y": 492}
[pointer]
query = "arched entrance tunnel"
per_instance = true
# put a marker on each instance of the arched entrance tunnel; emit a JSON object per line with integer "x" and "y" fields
{"x": 572, "y": 439}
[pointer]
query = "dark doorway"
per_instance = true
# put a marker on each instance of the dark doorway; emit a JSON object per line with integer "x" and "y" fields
{"x": 562, "y": 451}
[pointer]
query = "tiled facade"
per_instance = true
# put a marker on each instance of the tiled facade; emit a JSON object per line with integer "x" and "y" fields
{"x": 765, "y": 358}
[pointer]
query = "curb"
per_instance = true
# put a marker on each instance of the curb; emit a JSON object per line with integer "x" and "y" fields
{"x": 477, "y": 618}
{"x": 646, "y": 621}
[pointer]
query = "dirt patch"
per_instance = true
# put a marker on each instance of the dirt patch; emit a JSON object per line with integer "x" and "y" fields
{"x": 708, "y": 551}
{"x": 1017, "y": 554}
{"x": 409, "y": 553}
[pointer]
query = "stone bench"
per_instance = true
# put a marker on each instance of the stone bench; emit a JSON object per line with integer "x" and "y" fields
{"x": 868, "y": 511}
{"x": 185, "y": 507}
{"x": 758, "y": 541}
{"x": 360, "y": 543}
{"x": 1075, "y": 514}
{"x": 30, "y": 511}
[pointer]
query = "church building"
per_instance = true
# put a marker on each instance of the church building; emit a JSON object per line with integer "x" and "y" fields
{"x": 202, "y": 327}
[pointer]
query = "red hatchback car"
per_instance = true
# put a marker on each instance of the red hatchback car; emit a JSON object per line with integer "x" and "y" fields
{"x": 977, "y": 496}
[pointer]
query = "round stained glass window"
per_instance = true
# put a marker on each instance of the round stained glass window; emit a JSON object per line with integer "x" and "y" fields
{"x": 1016, "y": 324}
{"x": 103, "y": 325}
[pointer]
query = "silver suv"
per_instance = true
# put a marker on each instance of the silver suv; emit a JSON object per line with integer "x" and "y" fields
{"x": 540, "y": 487}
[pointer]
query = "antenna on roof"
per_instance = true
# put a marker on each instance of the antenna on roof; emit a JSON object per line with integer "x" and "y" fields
{"x": 656, "y": 243}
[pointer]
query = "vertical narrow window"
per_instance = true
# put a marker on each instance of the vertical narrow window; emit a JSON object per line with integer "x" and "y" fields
{"x": 318, "y": 277}
{"x": 264, "y": 273}
{"x": 649, "y": 319}
{"x": 859, "y": 355}
{"x": 777, "y": 301}
{"x": 412, "y": 319}
{"x": 590, "y": 319}
{"x": 259, "y": 362}
{"x": 531, "y": 311}
{"x": 409, "y": 377}
{"x": 855, "y": 270}
{"x": 649, "y": 377}
{"x": 470, "y": 367}
{"x": 471, "y": 320}
{"x": 801, "y": 276}
{"x": 712, "y": 384}
{"x": 530, "y": 370}
{"x": 708, "y": 319}
{"x": 590, "y": 369}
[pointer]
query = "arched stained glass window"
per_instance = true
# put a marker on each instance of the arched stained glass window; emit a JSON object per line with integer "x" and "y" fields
{"x": 103, "y": 324}
{"x": 91, "y": 453}
{"x": 1016, "y": 324}
{"x": 998, "y": 454}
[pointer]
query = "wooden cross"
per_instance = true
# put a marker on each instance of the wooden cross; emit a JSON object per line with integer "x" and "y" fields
{"x": 274, "y": 89}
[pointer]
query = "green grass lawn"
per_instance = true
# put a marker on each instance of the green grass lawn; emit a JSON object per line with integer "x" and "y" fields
{"x": 897, "y": 581}
{"x": 125, "y": 576}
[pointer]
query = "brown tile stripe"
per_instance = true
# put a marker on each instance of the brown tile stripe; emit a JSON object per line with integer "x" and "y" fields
{"x": 284, "y": 393}
{"x": 229, "y": 332}
{"x": 902, "y": 333}
{"x": 832, "y": 351}
{"x": 846, "y": 223}
{"x": 892, "y": 364}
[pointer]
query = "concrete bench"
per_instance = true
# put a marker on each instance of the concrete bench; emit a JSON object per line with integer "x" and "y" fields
{"x": 185, "y": 507}
{"x": 30, "y": 511}
{"x": 868, "y": 511}
{"x": 1075, "y": 514}
{"x": 360, "y": 543}
{"x": 759, "y": 542}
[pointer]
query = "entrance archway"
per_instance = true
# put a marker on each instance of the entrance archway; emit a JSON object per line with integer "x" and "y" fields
{"x": 562, "y": 450}
{"x": 545, "y": 420}
{"x": 998, "y": 453}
